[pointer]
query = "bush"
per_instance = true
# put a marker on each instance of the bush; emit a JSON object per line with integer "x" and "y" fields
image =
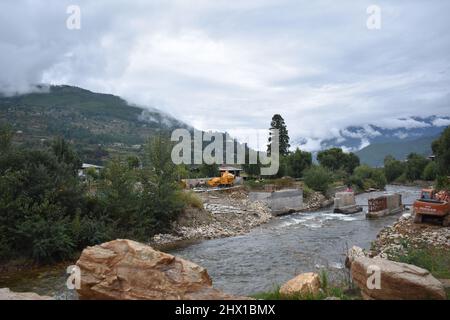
{"x": 430, "y": 171}
{"x": 415, "y": 166}
{"x": 297, "y": 162}
{"x": 402, "y": 179}
{"x": 318, "y": 178}
{"x": 365, "y": 177}
{"x": 47, "y": 215}
{"x": 441, "y": 148}
{"x": 442, "y": 183}
{"x": 393, "y": 168}
{"x": 39, "y": 195}
{"x": 335, "y": 159}
{"x": 435, "y": 260}
{"x": 191, "y": 199}
{"x": 307, "y": 191}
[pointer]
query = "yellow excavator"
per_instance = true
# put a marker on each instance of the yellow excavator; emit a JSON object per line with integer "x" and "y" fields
{"x": 226, "y": 179}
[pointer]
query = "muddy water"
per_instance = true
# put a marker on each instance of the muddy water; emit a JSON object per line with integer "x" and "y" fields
{"x": 268, "y": 256}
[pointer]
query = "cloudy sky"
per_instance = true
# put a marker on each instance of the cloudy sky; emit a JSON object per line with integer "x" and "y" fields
{"x": 224, "y": 64}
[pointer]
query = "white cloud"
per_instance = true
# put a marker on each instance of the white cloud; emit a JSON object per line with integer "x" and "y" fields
{"x": 441, "y": 122}
{"x": 226, "y": 65}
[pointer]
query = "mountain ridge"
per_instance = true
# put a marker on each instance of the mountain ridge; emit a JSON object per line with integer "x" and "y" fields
{"x": 98, "y": 124}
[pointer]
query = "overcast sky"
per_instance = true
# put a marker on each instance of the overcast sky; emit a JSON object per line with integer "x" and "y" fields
{"x": 223, "y": 64}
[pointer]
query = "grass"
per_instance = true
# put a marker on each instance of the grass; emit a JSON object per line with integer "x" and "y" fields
{"x": 191, "y": 199}
{"x": 307, "y": 191}
{"x": 274, "y": 294}
{"x": 435, "y": 260}
{"x": 327, "y": 290}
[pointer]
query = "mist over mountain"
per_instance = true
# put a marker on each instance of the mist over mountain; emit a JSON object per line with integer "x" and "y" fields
{"x": 99, "y": 125}
{"x": 357, "y": 137}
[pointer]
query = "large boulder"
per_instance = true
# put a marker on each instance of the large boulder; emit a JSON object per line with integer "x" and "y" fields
{"x": 128, "y": 270}
{"x": 6, "y": 294}
{"x": 303, "y": 284}
{"x": 398, "y": 281}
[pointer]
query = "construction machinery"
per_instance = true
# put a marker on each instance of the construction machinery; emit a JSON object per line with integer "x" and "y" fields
{"x": 432, "y": 204}
{"x": 226, "y": 179}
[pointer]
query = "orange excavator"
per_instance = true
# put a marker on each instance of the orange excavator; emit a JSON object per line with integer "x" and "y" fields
{"x": 226, "y": 179}
{"x": 433, "y": 204}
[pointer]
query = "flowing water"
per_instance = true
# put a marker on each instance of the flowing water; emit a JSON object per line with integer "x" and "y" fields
{"x": 287, "y": 246}
{"x": 261, "y": 259}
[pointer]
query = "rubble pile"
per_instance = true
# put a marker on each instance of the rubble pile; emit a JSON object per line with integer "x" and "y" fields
{"x": 405, "y": 234}
{"x": 231, "y": 214}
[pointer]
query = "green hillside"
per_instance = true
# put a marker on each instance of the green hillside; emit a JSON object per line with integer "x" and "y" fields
{"x": 99, "y": 125}
{"x": 374, "y": 154}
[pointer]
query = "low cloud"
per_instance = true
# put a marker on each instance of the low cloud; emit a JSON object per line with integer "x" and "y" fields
{"x": 221, "y": 65}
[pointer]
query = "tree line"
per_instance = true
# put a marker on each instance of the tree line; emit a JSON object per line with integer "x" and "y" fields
{"x": 336, "y": 166}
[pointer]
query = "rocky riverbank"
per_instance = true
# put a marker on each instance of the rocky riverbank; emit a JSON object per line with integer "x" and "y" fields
{"x": 405, "y": 235}
{"x": 224, "y": 214}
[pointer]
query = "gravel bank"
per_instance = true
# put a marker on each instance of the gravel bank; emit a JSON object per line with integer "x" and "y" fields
{"x": 404, "y": 234}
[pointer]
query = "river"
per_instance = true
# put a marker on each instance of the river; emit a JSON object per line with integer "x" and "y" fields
{"x": 260, "y": 260}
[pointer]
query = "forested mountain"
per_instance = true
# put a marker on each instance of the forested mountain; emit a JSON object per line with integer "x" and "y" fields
{"x": 99, "y": 125}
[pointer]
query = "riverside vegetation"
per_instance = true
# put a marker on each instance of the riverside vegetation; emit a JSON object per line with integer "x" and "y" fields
{"x": 48, "y": 214}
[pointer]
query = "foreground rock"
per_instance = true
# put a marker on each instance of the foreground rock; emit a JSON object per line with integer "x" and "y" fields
{"x": 398, "y": 281}
{"x": 6, "y": 294}
{"x": 303, "y": 284}
{"x": 128, "y": 270}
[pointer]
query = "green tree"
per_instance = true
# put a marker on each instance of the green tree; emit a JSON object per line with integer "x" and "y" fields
{"x": 133, "y": 162}
{"x": 415, "y": 166}
{"x": 253, "y": 170}
{"x": 118, "y": 194}
{"x": 441, "y": 149}
{"x": 335, "y": 159}
{"x": 278, "y": 123}
{"x": 317, "y": 178}
{"x": 297, "y": 162}
{"x": 66, "y": 154}
{"x": 161, "y": 203}
{"x": 365, "y": 177}
{"x": 393, "y": 168}
{"x": 6, "y": 136}
{"x": 351, "y": 162}
{"x": 39, "y": 197}
{"x": 209, "y": 170}
{"x": 430, "y": 171}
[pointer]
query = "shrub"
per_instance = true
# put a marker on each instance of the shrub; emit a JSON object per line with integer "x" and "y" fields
{"x": 415, "y": 166}
{"x": 365, "y": 177}
{"x": 46, "y": 213}
{"x": 191, "y": 199}
{"x": 393, "y": 168}
{"x": 435, "y": 260}
{"x": 430, "y": 171}
{"x": 318, "y": 178}
{"x": 307, "y": 191}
